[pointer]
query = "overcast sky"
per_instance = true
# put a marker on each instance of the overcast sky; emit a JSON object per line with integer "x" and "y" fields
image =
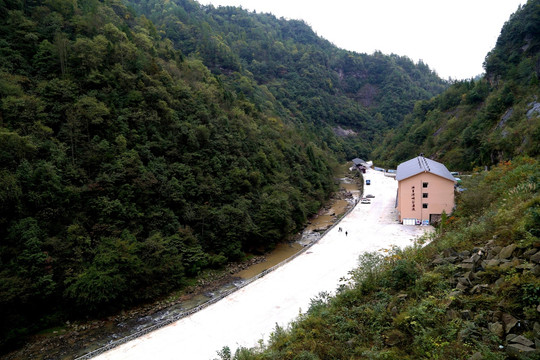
{"x": 453, "y": 37}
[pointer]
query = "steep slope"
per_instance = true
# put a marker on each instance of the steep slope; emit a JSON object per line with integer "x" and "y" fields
{"x": 481, "y": 122}
{"x": 126, "y": 168}
{"x": 313, "y": 81}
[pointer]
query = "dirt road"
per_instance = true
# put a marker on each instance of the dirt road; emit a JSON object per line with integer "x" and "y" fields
{"x": 251, "y": 313}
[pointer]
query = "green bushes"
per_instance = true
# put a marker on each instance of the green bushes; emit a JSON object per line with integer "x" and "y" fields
{"x": 401, "y": 304}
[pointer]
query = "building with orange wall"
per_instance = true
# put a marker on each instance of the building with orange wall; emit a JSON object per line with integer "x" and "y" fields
{"x": 425, "y": 190}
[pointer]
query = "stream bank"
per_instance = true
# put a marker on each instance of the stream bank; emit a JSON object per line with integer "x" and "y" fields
{"x": 80, "y": 338}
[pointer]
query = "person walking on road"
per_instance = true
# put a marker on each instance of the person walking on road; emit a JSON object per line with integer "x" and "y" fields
{"x": 345, "y": 233}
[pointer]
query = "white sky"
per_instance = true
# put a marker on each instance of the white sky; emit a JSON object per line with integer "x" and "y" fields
{"x": 453, "y": 37}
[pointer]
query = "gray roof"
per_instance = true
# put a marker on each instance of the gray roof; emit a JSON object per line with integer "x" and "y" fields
{"x": 358, "y": 161}
{"x": 419, "y": 165}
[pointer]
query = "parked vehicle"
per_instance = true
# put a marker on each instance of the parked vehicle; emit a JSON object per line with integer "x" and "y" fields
{"x": 368, "y": 182}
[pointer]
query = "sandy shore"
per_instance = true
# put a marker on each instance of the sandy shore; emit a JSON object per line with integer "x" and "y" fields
{"x": 251, "y": 313}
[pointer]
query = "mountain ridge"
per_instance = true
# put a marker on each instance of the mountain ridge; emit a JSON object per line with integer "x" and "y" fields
{"x": 477, "y": 123}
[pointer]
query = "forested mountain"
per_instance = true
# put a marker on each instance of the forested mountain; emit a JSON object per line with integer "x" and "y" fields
{"x": 312, "y": 80}
{"x": 484, "y": 121}
{"x": 138, "y": 150}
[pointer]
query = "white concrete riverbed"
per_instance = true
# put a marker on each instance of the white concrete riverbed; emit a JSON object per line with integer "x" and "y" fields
{"x": 252, "y": 312}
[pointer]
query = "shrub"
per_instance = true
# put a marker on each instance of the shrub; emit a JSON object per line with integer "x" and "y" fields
{"x": 403, "y": 274}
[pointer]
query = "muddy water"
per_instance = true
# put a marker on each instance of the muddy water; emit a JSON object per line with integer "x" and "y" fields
{"x": 280, "y": 253}
{"x": 350, "y": 186}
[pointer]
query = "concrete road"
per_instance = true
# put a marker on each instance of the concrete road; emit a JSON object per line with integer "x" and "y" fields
{"x": 251, "y": 313}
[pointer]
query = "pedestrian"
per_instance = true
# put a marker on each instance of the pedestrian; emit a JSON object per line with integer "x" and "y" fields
{"x": 345, "y": 233}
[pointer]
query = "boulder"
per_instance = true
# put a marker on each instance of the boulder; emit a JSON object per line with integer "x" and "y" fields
{"x": 499, "y": 282}
{"x": 479, "y": 288}
{"x": 474, "y": 258}
{"x": 510, "y": 264}
{"x": 496, "y": 328}
{"x": 518, "y": 351}
{"x": 438, "y": 261}
{"x": 461, "y": 286}
{"x": 469, "y": 276}
{"x": 465, "y": 254}
{"x": 526, "y": 266}
{"x": 452, "y": 315}
{"x": 527, "y": 254}
{"x": 536, "y": 329}
{"x": 490, "y": 264}
{"x": 536, "y": 257}
{"x": 507, "y": 251}
{"x": 522, "y": 340}
{"x": 509, "y": 322}
{"x": 490, "y": 243}
{"x": 495, "y": 250}
{"x": 449, "y": 252}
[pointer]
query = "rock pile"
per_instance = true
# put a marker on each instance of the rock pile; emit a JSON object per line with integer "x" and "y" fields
{"x": 484, "y": 270}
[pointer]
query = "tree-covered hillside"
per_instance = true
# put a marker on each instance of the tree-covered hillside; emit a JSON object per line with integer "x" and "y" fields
{"x": 481, "y": 122}
{"x": 138, "y": 150}
{"x": 127, "y": 168}
{"x": 312, "y": 81}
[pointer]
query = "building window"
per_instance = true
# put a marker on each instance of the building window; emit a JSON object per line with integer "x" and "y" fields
{"x": 424, "y": 185}
{"x": 424, "y": 206}
{"x": 424, "y": 195}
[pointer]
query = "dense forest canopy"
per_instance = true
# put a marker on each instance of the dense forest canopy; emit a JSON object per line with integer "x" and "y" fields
{"x": 484, "y": 121}
{"x": 313, "y": 80}
{"x": 143, "y": 142}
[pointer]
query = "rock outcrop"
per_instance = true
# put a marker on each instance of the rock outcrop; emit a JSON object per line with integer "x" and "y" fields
{"x": 487, "y": 270}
